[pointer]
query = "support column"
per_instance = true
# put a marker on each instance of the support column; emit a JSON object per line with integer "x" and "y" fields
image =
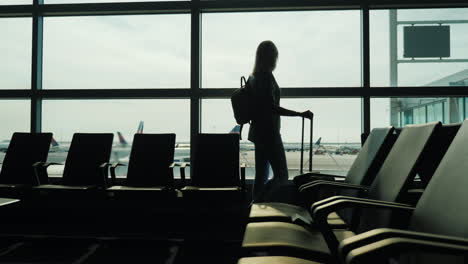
{"x": 36, "y": 67}
{"x": 195, "y": 70}
{"x": 365, "y": 68}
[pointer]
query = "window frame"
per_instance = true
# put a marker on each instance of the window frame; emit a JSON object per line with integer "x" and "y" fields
{"x": 38, "y": 10}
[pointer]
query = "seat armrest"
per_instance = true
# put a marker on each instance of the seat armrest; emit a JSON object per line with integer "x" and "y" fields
{"x": 331, "y": 199}
{"x": 378, "y": 251}
{"x": 320, "y": 176}
{"x": 45, "y": 164}
{"x": 171, "y": 184}
{"x": 336, "y": 185}
{"x": 182, "y": 172}
{"x": 340, "y": 197}
{"x": 242, "y": 167}
{"x": 113, "y": 167}
{"x": 379, "y": 234}
{"x": 40, "y": 167}
{"x": 320, "y": 214}
{"x": 104, "y": 173}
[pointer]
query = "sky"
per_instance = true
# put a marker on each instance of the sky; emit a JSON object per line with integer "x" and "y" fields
{"x": 316, "y": 49}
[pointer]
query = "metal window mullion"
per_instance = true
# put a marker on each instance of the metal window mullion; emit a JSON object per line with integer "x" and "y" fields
{"x": 36, "y": 68}
{"x": 443, "y": 112}
{"x": 195, "y": 71}
{"x": 464, "y": 108}
{"x": 425, "y": 109}
{"x": 365, "y": 62}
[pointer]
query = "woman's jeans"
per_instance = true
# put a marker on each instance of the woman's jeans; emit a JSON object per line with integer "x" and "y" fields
{"x": 266, "y": 154}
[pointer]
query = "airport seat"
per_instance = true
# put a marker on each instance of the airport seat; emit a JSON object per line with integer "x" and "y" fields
{"x": 437, "y": 231}
{"x": 389, "y": 187}
{"x": 150, "y": 167}
{"x": 361, "y": 173}
{"x": 367, "y": 163}
{"x": 24, "y": 150}
{"x": 215, "y": 169}
{"x": 86, "y": 165}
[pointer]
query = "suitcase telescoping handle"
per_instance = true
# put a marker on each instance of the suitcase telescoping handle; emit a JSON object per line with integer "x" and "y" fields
{"x": 310, "y": 146}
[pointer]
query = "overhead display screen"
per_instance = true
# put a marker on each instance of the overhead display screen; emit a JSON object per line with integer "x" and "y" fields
{"x": 426, "y": 41}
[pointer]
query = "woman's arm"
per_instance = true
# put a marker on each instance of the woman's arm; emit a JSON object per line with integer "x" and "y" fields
{"x": 286, "y": 112}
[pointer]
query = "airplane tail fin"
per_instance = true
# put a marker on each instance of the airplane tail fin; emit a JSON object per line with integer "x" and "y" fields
{"x": 54, "y": 143}
{"x": 140, "y": 127}
{"x": 235, "y": 130}
{"x": 318, "y": 141}
{"x": 121, "y": 139}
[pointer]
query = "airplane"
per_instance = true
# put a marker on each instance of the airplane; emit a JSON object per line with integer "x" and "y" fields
{"x": 122, "y": 140}
{"x": 121, "y": 152}
{"x": 235, "y": 130}
{"x": 54, "y": 146}
{"x": 297, "y": 147}
{"x": 182, "y": 151}
{"x": 123, "y": 148}
{"x": 4, "y": 145}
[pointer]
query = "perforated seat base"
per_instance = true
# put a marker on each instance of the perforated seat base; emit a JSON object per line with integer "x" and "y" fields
{"x": 298, "y": 240}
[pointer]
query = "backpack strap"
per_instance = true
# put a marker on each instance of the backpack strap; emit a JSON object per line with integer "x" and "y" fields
{"x": 243, "y": 81}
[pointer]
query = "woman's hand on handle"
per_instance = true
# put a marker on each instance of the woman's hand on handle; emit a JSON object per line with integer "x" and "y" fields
{"x": 307, "y": 114}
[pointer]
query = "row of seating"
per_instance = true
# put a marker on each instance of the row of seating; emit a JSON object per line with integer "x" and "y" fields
{"x": 215, "y": 164}
{"x": 358, "y": 224}
{"x": 86, "y": 234}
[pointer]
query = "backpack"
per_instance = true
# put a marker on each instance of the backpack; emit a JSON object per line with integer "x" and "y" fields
{"x": 241, "y": 101}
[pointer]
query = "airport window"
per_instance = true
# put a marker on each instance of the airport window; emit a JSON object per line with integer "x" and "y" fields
{"x": 217, "y": 117}
{"x": 431, "y": 116}
{"x": 397, "y": 59}
{"x": 419, "y": 115}
{"x": 408, "y": 117}
{"x": 15, "y": 2}
{"x": 317, "y": 49}
{"x": 461, "y": 108}
{"x": 336, "y": 134}
{"x": 416, "y": 116}
{"x": 124, "y": 117}
{"x": 112, "y": 52}
{"x": 15, "y": 53}
{"x": 399, "y": 112}
{"x": 466, "y": 108}
{"x": 309, "y": 55}
{"x": 435, "y": 112}
{"x": 99, "y": 1}
{"x": 14, "y": 117}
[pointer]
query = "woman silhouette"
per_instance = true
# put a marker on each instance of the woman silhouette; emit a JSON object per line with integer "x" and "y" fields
{"x": 264, "y": 129}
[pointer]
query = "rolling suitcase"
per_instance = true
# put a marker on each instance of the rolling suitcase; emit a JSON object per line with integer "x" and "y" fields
{"x": 311, "y": 175}
{"x": 310, "y": 146}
